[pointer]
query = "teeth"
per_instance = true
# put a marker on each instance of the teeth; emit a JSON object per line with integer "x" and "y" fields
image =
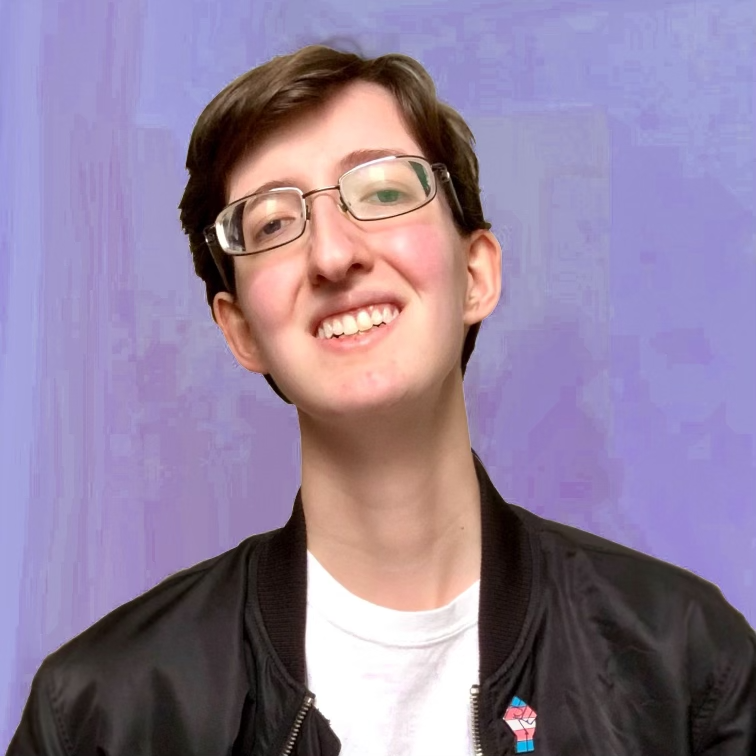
{"x": 350, "y": 325}
{"x": 364, "y": 321}
{"x": 358, "y": 322}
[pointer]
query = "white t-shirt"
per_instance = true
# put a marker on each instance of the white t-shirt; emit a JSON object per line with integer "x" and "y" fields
{"x": 391, "y": 683}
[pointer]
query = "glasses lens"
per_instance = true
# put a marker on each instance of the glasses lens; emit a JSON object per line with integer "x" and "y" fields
{"x": 262, "y": 221}
{"x": 385, "y": 188}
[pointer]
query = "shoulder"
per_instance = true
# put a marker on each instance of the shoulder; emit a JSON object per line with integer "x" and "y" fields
{"x": 583, "y": 562}
{"x": 180, "y": 643}
{"x": 193, "y": 616}
{"x": 646, "y": 614}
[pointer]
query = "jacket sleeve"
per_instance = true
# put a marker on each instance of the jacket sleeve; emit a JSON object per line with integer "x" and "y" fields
{"x": 727, "y": 720}
{"x": 38, "y": 733}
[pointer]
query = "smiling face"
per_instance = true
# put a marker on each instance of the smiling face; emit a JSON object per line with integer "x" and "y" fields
{"x": 416, "y": 265}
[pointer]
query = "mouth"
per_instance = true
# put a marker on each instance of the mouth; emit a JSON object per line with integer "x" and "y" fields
{"x": 355, "y": 323}
{"x": 357, "y": 339}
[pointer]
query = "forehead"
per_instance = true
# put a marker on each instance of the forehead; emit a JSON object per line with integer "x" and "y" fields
{"x": 362, "y": 116}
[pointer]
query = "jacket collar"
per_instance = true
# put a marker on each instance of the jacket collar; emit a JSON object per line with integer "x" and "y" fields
{"x": 505, "y": 583}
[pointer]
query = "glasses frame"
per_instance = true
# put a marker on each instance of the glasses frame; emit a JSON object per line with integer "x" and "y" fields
{"x": 214, "y": 233}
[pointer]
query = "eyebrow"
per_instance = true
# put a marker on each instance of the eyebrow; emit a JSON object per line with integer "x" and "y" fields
{"x": 352, "y": 159}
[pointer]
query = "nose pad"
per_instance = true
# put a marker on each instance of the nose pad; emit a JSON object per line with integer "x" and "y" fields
{"x": 339, "y": 203}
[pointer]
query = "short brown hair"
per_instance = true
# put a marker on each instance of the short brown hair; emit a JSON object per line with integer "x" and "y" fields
{"x": 254, "y": 105}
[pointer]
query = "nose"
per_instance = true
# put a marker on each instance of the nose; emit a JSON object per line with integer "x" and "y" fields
{"x": 336, "y": 244}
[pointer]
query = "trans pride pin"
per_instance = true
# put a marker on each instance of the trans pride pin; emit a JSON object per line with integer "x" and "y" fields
{"x": 522, "y": 721}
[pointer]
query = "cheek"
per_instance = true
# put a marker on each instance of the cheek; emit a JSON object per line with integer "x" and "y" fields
{"x": 429, "y": 256}
{"x": 265, "y": 290}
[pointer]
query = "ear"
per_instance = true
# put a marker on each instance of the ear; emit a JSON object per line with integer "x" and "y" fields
{"x": 483, "y": 275}
{"x": 239, "y": 336}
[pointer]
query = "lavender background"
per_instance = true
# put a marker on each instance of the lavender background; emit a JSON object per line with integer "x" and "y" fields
{"x": 614, "y": 388}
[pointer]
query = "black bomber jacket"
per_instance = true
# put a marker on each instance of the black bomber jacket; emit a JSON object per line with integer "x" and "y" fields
{"x": 587, "y": 648}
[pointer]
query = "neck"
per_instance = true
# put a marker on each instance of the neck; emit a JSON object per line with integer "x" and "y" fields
{"x": 393, "y": 506}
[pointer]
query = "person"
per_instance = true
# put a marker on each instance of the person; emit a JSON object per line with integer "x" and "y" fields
{"x": 333, "y": 211}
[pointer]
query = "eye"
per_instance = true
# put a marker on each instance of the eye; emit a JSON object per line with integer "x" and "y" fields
{"x": 265, "y": 229}
{"x": 388, "y": 195}
{"x": 271, "y": 227}
{"x": 271, "y": 218}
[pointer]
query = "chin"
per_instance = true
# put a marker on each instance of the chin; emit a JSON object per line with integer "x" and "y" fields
{"x": 353, "y": 401}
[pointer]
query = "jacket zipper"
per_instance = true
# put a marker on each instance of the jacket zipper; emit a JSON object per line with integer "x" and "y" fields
{"x": 474, "y": 695}
{"x": 310, "y": 700}
{"x": 292, "y": 739}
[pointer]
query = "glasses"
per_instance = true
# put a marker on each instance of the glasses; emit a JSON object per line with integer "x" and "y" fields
{"x": 376, "y": 190}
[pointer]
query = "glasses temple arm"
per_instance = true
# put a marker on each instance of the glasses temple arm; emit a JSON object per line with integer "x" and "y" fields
{"x": 218, "y": 256}
{"x": 446, "y": 179}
